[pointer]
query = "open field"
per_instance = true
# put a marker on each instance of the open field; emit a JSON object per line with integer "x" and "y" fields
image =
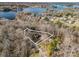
{"x": 51, "y": 33}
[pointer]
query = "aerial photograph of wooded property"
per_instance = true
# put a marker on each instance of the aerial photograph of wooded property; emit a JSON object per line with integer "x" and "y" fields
{"x": 39, "y": 29}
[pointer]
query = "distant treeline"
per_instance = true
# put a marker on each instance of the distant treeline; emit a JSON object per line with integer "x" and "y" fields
{"x": 15, "y": 3}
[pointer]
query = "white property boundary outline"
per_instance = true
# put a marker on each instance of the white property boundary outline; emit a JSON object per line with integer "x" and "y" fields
{"x": 36, "y": 43}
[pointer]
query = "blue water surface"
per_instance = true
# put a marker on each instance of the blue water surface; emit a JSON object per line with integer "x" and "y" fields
{"x": 12, "y": 14}
{"x": 8, "y": 15}
{"x": 34, "y": 10}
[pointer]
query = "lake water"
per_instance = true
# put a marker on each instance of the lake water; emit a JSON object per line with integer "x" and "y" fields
{"x": 58, "y": 7}
{"x": 8, "y": 15}
{"x": 12, "y": 14}
{"x": 62, "y": 6}
{"x": 34, "y": 10}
